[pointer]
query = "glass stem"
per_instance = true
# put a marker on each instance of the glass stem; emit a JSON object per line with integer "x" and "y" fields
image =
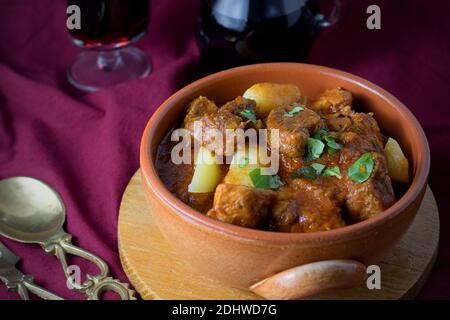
{"x": 109, "y": 60}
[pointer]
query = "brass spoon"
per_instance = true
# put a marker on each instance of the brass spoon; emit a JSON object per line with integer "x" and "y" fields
{"x": 33, "y": 212}
{"x": 18, "y": 282}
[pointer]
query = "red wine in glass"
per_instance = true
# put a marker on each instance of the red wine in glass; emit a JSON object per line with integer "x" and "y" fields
{"x": 108, "y": 27}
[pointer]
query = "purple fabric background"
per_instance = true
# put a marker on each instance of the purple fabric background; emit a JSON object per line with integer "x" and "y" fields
{"x": 86, "y": 145}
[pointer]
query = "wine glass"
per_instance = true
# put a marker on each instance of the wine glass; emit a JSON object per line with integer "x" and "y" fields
{"x": 107, "y": 28}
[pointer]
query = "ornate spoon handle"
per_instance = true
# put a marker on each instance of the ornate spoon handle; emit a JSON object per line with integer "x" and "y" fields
{"x": 23, "y": 284}
{"x": 95, "y": 285}
{"x": 39, "y": 291}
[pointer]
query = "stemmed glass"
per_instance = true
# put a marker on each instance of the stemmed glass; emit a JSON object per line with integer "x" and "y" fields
{"x": 107, "y": 28}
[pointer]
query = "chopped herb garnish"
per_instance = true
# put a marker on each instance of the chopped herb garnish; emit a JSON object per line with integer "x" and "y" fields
{"x": 265, "y": 181}
{"x": 297, "y": 108}
{"x": 243, "y": 162}
{"x": 318, "y": 134}
{"x": 331, "y": 142}
{"x": 310, "y": 172}
{"x": 331, "y": 151}
{"x": 318, "y": 167}
{"x": 361, "y": 169}
{"x": 332, "y": 145}
{"x": 332, "y": 172}
{"x": 306, "y": 172}
{"x": 248, "y": 114}
{"x": 315, "y": 149}
{"x": 276, "y": 182}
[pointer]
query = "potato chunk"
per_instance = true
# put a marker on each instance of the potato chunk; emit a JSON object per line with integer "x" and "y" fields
{"x": 271, "y": 95}
{"x": 241, "y": 165}
{"x": 397, "y": 163}
{"x": 207, "y": 173}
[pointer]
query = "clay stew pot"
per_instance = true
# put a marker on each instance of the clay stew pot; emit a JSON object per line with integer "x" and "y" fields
{"x": 240, "y": 257}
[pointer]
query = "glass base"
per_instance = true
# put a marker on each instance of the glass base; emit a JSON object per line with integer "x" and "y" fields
{"x": 93, "y": 70}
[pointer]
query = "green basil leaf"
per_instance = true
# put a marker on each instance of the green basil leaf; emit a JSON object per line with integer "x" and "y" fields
{"x": 318, "y": 134}
{"x": 331, "y": 151}
{"x": 309, "y": 172}
{"x": 318, "y": 167}
{"x": 297, "y": 108}
{"x": 258, "y": 180}
{"x": 362, "y": 168}
{"x": 315, "y": 149}
{"x": 331, "y": 142}
{"x": 243, "y": 162}
{"x": 249, "y": 114}
{"x": 332, "y": 172}
{"x": 265, "y": 181}
{"x": 276, "y": 182}
{"x": 306, "y": 172}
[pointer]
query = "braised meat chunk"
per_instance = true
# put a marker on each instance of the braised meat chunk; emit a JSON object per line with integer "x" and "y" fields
{"x": 335, "y": 106}
{"x": 365, "y": 126}
{"x": 306, "y": 207}
{"x": 217, "y": 121}
{"x": 294, "y": 124}
{"x": 334, "y": 101}
{"x": 238, "y": 105}
{"x": 376, "y": 194}
{"x": 241, "y": 205}
{"x": 367, "y": 199}
{"x": 197, "y": 109}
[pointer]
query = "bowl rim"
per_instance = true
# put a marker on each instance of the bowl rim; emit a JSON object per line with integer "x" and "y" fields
{"x": 151, "y": 179}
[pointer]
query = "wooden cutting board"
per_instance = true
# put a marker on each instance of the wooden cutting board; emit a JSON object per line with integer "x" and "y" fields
{"x": 157, "y": 272}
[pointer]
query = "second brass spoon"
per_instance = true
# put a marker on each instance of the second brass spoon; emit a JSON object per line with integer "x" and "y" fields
{"x": 32, "y": 212}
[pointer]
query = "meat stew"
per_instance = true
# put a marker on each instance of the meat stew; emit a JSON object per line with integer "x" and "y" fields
{"x": 334, "y": 163}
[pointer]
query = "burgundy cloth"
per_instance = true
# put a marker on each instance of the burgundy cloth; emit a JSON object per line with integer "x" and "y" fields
{"x": 87, "y": 145}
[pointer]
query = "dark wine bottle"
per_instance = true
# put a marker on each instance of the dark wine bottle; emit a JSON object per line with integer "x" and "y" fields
{"x": 236, "y": 32}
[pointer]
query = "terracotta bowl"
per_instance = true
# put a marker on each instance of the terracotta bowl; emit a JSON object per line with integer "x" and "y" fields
{"x": 240, "y": 257}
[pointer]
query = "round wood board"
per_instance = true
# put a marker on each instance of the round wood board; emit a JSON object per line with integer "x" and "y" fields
{"x": 157, "y": 272}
